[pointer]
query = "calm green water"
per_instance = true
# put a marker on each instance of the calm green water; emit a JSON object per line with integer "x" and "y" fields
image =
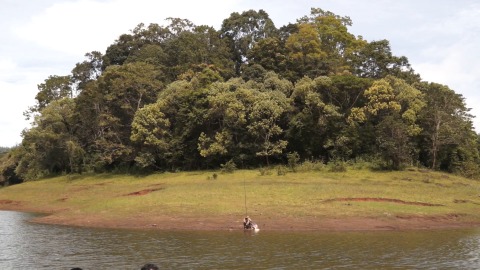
{"x": 25, "y": 245}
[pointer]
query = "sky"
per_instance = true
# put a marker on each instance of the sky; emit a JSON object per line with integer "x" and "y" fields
{"x": 441, "y": 38}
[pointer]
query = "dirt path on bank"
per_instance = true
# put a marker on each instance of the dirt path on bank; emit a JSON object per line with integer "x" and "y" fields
{"x": 270, "y": 223}
{"x": 222, "y": 223}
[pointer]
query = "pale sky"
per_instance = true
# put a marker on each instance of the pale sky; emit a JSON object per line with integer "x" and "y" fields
{"x": 441, "y": 38}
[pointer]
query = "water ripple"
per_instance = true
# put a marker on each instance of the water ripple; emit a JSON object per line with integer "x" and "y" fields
{"x": 35, "y": 246}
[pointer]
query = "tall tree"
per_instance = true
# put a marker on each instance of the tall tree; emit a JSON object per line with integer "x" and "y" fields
{"x": 167, "y": 131}
{"x": 375, "y": 60}
{"x": 446, "y": 121}
{"x": 8, "y": 163}
{"x": 87, "y": 71}
{"x": 265, "y": 116}
{"x": 110, "y": 105}
{"x": 117, "y": 53}
{"x": 244, "y": 30}
{"x": 270, "y": 54}
{"x": 305, "y": 55}
{"x": 392, "y": 110}
{"x": 200, "y": 46}
{"x": 245, "y": 119}
{"x": 50, "y": 146}
{"x": 53, "y": 88}
{"x": 312, "y": 118}
{"x": 336, "y": 42}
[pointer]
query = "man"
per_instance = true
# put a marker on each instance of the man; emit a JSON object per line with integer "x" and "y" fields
{"x": 248, "y": 224}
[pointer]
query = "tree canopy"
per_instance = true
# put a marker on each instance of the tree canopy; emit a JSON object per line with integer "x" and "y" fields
{"x": 186, "y": 96}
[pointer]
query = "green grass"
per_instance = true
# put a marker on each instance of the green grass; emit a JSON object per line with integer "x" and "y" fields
{"x": 301, "y": 194}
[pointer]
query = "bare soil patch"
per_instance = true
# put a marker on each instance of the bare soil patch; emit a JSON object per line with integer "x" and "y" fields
{"x": 220, "y": 223}
{"x": 9, "y": 202}
{"x": 465, "y": 201}
{"x": 234, "y": 222}
{"x": 10, "y": 205}
{"x": 380, "y": 200}
{"x": 143, "y": 192}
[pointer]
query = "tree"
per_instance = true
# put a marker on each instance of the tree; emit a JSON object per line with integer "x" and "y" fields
{"x": 54, "y": 88}
{"x": 244, "y": 120}
{"x": 151, "y": 130}
{"x": 117, "y": 53}
{"x": 87, "y": 71}
{"x": 225, "y": 135}
{"x": 48, "y": 147}
{"x": 335, "y": 41}
{"x": 265, "y": 115}
{"x": 270, "y": 54}
{"x": 305, "y": 56}
{"x": 243, "y": 31}
{"x": 167, "y": 131}
{"x": 312, "y": 119}
{"x": 375, "y": 60}
{"x": 128, "y": 44}
{"x": 446, "y": 122}
{"x": 392, "y": 110}
{"x": 200, "y": 46}
{"x": 346, "y": 92}
{"x": 8, "y": 163}
{"x": 110, "y": 105}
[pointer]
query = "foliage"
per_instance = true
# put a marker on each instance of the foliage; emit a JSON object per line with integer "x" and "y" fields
{"x": 393, "y": 108}
{"x": 185, "y": 97}
{"x": 281, "y": 170}
{"x": 337, "y": 166}
{"x": 293, "y": 159}
{"x": 243, "y": 31}
{"x": 311, "y": 165}
{"x": 228, "y": 167}
{"x": 8, "y": 163}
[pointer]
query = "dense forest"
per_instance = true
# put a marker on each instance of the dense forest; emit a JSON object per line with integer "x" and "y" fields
{"x": 190, "y": 97}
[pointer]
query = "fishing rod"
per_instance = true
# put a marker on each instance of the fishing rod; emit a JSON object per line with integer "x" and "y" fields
{"x": 245, "y": 191}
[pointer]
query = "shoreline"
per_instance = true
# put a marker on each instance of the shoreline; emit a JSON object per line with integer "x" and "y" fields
{"x": 304, "y": 201}
{"x": 231, "y": 223}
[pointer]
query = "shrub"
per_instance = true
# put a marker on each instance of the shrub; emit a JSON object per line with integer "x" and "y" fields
{"x": 309, "y": 165}
{"x": 293, "y": 159}
{"x": 228, "y": 167}
{"x": 264, "y": 171}
{"x": 337, "y": 166}
{"x": 281, "y": 170}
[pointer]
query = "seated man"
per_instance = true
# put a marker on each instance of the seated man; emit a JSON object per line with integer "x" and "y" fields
{"x": 248, "y": 224}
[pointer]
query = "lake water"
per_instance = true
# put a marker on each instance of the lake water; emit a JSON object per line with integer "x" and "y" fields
{"x": 25, "y": 245}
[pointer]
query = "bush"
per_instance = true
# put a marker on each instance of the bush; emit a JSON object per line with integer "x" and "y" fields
{"x": 281, "y": 170}
{"x": 308, "y": 166}
{"x": 264, "y": 171}
{"x": 228, "y": 167}
{"x": 337, "y": 166}
{"x": 293, "y": 159}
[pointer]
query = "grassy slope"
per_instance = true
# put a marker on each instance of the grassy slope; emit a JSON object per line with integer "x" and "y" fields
{"x": 295, "y": 195}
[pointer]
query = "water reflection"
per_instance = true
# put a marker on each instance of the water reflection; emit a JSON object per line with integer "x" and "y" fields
{"x": 35, "y": 246}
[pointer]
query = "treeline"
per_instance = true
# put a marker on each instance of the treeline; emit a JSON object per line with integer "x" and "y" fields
{"x": 186, "y": 96}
